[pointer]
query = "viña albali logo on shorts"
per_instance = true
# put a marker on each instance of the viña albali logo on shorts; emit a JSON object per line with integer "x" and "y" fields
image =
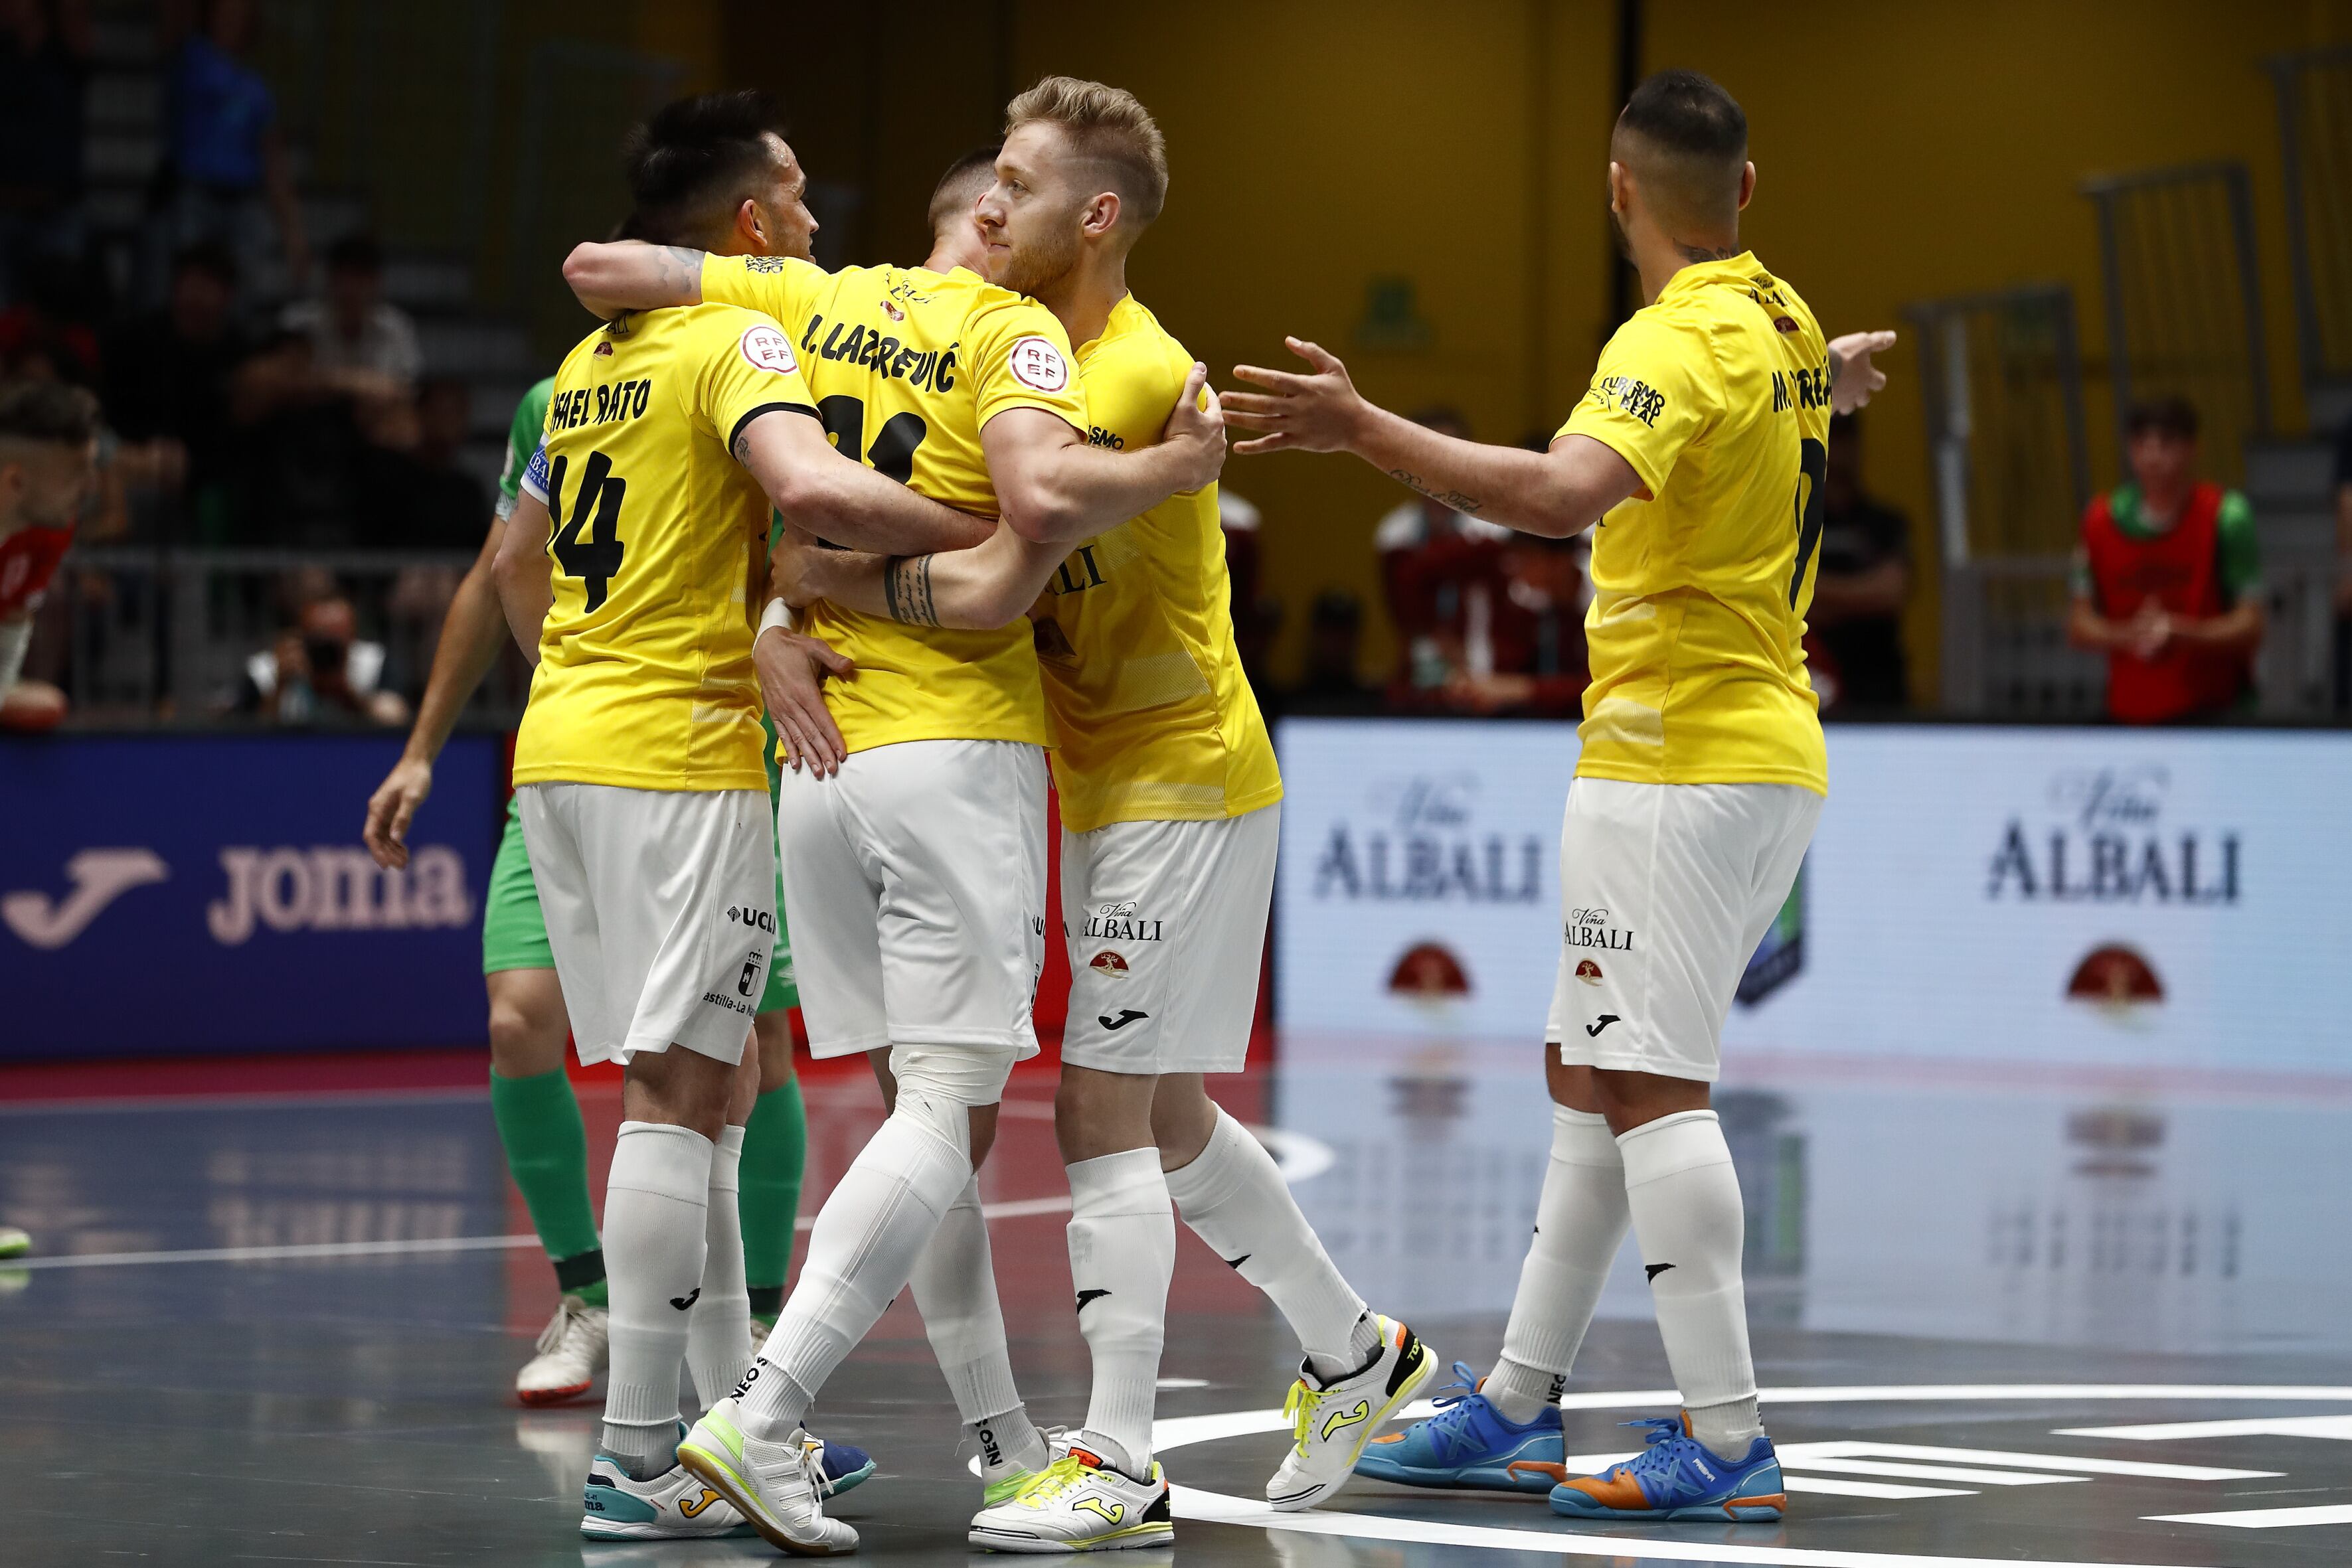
{"x": 2108, "y": 842}
{"x": 336, "y": 887}
{"x": 1591, "y": 928}
{"x": 1428, "y": 849}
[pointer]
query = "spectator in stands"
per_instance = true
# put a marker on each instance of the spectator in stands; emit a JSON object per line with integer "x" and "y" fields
{"x": 1862, "y": 581}
{"x": 2344, "y": 568}
{"x": 1256, "y": 618}
{"x": 45, "y": 52}
{"x": 227, "y": 163}
{"x": 48, "y": 470}
{"x": 320, "y": 671}
{"x": 355, "y": 333}
{"x": 168, "y": 378}
{"x": 294, "y": 476}
{"x": 1332, "y": 682}
{"x": 2168, "y": 580}
{"x": 1443, "y": 571}
{"x": 1540, "y": 664}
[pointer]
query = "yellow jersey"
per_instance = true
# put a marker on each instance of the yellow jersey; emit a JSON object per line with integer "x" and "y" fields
{"x": 1153, "y": 719}
{"x": 657, "y": 536}
{"x": 1718, "y": 395}
{"x": 908, "y": 365}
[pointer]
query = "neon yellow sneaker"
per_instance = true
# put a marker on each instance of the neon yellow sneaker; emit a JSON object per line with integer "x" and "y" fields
{"x": 1079, "y": 1503}
{"x": 775, "y": 1486}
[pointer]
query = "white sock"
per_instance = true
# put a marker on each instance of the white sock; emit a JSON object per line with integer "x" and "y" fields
{"x": 955, "y": 1290}
{"x": 873, "y": 1226}
{"x": 1580, "y": 1224}
{"x": 718, "y": 1330}
{"x": 654, "y": 1247}
{"x": 1686, "y": 1211}
{"x": 1122, "y": 1256}
{"x": 1233, "y": 1196}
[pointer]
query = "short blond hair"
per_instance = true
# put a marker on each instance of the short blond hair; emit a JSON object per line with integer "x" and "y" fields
{"x": 1107, "y": 124}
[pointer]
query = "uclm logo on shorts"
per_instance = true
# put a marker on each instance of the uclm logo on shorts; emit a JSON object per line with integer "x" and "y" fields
{"x": 336, "y": 887}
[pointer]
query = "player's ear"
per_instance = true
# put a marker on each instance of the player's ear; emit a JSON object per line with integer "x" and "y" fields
{"x": 1747, "y": 184}
{"x": 1619, "y": 184}
{"x": 749, "y": 227}
{"x": 1102, "y": 213}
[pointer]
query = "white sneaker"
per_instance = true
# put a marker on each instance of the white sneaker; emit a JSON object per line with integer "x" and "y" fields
{"x": 1077, "y": 1503}
{"x": 1330, "y": 1425}
{"x": 674, "y": 1506}
{"x": 14, "y": 1243}
{"x": 572, "y": 1351}
{"x": 774, "y": 1485}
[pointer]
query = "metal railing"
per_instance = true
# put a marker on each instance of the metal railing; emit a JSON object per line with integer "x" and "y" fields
{"x": 169, "y": 636}
{"x": 2314, "y": 97}
{"x": 2184, "y": 300}
{"x": 2001, "y": 386}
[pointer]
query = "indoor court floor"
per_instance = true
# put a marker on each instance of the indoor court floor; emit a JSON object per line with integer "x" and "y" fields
{"x": 2000, "y": 1315}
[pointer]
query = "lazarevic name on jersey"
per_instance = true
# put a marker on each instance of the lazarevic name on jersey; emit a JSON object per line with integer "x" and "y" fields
{"x": 1718, "y": 394}
{"x": 908, "y": 366}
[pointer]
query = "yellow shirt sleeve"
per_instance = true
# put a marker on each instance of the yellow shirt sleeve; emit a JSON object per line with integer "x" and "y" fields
{"x": 1021, "y": 358}
{"x": 781, "y": 286}
{"x": 748, "y": 369}
{"x": 1655, "y": 389}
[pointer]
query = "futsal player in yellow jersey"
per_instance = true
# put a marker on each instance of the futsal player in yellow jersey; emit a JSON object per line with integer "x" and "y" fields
{"x": 632, "y": 576}
{"x": 916, "y": 869}
{"x": 1698, "y": 449}
{"x": 1169, "y": 808}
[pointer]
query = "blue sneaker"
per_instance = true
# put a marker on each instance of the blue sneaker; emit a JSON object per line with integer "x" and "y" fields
{"x": 1469, "y": 1444}
{"x": 1678, "y": 1477}
{"x": 843, "y": 1467}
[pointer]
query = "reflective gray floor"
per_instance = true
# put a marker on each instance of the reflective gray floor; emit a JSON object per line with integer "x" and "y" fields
{"x": 2104, "y": 1309}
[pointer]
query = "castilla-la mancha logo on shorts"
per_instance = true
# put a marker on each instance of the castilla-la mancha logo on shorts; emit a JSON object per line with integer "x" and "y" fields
{"x": 1038, "y": 365}
{"x": 1108, "y": 963}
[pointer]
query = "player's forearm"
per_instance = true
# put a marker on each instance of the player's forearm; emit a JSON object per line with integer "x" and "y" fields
{"x": 471, "y": 633}
{"x": 1533, "y": 491}
{"x": 2086, "y": 628}
{"x": 525, "y": 586}
{"x": 973, "y": 589}
{"x": 15, "y": 637}
{"x": 2238, "y": 632}
{"x": 1078, "y": 491}
{"x": 847, "y": 504}
{"x": 631, "y": 275}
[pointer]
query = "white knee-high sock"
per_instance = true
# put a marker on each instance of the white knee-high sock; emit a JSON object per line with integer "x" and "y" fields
{"x": 1122, "y": 1256}
{"x": 718, "y": 1330}
{"x": 654, "y": 1247}
{"x": 1580, "y": 1224}
{"x": 1233, "y": 1196}
{"x": 1686, "y": 1211}
{"x": 873, "y": 1226}
{"x": 955, "y": 1290}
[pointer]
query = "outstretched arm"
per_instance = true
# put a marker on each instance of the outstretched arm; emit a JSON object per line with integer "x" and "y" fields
{"x": 979, "y": 588}
{"x": 1853, "y": 378}
{"x": 1555, "y": 493}
{"x": 840, "y": 499}
{"x": 1054, "y": 488}
{"x": 630, "y": 274}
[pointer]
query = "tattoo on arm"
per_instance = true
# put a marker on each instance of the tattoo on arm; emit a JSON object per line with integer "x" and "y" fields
{"x": 681, "y": 268}
{"x": 1453, "y": 498}
{"x": 907, "y": 591}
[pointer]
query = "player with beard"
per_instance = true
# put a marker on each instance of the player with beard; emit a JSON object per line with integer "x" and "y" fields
{"x": 1701, "y": 774}
{"x": 1170, "y": 811}
{"x": 913, "y": 851}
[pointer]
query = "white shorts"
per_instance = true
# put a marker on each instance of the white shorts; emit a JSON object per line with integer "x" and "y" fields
{"x": 1165, "y": 926}
{"x": 1665, "y": 891}
{"x": 916, "y": 879}
{"x": 660, "y": 910}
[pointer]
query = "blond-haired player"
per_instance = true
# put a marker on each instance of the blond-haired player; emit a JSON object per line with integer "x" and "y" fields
{"x": 916, "y": 865}
{"x": 1700, "y": 445}
{"x": 1171, "y": 810}
{"x": 632, "y": 575}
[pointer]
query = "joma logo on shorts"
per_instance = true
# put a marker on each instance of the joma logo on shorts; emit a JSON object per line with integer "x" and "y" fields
{"x": 337, "y": 887}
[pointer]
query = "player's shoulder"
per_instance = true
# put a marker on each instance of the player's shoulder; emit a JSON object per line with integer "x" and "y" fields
{"x": 1136, "y": 350}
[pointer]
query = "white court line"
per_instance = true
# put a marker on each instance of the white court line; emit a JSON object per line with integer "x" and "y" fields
{"x": 2338, "y": 1427}
{"x": 1864, "y": 1448}
{"x": 1885, "y": 1491}
{"x": 1015, "y": 1208}
{"x": 1925, "y": 1472}
{"x": 2264, "y": 1517}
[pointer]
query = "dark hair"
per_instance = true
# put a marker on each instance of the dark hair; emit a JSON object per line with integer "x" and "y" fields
{"x": 356, "y": 253}
{"x": 50, "y": 412}
{"x": 208, "y": 256}
{"x": 1688, "y": 114}
{"x": 980, "y": 159}
{"x": 696, "y": 157}
{"x": 2170, "y": 415}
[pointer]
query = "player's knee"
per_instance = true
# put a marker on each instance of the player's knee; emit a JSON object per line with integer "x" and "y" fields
{"x": 774, "y": 1033}
{"x": 526, "y": 1034}
{"x": 1183, "y": 1119}
{"x": 940, "y": 1085}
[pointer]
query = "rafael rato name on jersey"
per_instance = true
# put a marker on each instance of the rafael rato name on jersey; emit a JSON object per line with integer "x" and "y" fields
{"x": 933, "y": 369}
{"x": 600, "y": 405}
